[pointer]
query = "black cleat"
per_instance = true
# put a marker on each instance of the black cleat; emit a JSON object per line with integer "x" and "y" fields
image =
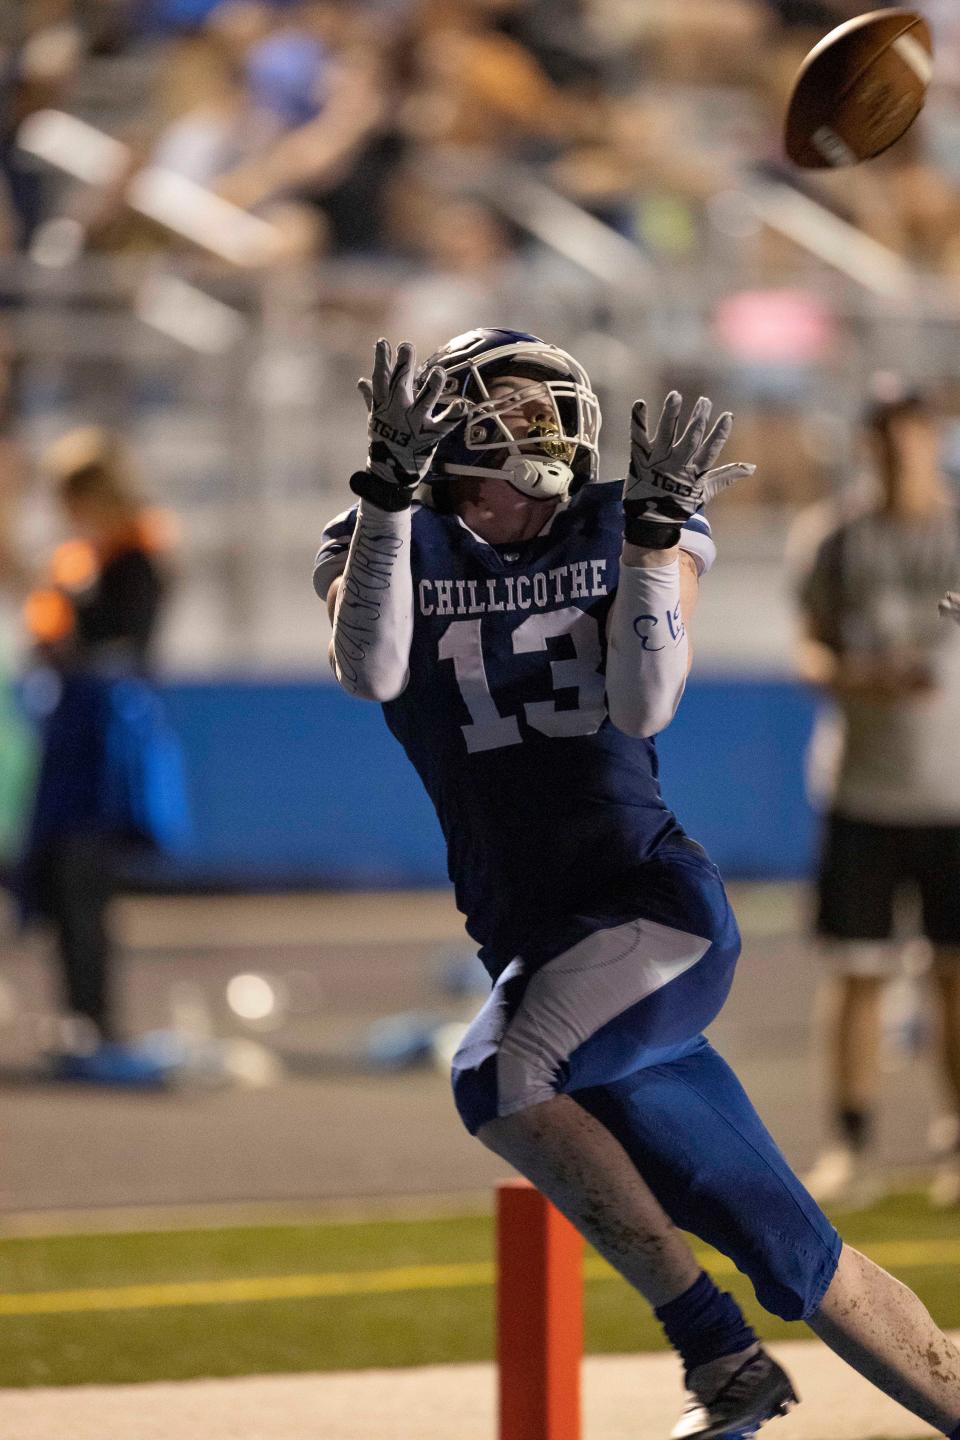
{"x": 757, "y": 1391}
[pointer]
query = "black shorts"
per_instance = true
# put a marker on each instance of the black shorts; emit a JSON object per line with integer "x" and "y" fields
{"x": 866, "y": 867}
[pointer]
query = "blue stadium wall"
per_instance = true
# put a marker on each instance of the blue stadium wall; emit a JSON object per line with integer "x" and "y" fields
{"x": 294, "y": 784}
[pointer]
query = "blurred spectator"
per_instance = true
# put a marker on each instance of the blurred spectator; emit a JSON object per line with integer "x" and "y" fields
{"x": 776, "y": 343}
{"x": 904, "y": 200}
{"x": 871, "y": 575}
{"x": 480, "y": 88}
{"x": 110, "y": 782}
{"x": 173, "y": 16}
{"x": 39, "y": 60}
{"x": 701, "y": 43}
{"x": 335, "y": 144}
{"x": 12, "y": 471}
{"x": 558, "y": 34}
{"x": 16, "y": 749}
{"x": 281, "y": 109}
{"x": 922, "y": 217}
{"x": 472, "y": 269}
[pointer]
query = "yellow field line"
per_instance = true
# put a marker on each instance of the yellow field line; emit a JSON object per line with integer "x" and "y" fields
{"x": 893, "y": 1254}
{"x": 250, "y": 1289}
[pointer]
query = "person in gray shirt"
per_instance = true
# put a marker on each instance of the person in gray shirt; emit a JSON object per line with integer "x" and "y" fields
{"x": 871, "y": 572}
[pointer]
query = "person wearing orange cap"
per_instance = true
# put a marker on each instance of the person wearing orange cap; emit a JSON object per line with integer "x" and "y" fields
{"x": 110, "y": 780}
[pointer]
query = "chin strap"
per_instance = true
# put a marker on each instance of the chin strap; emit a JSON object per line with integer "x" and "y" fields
{"x": 538, "y": 477}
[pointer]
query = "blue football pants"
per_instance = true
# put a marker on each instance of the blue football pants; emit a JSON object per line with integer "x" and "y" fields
{"x": 610, "y": 1010}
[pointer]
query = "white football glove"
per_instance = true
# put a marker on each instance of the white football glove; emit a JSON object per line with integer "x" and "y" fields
{"x": 950, "y": 605}
{"x": 403, "y": 433}
{"x": 670, "y": 475}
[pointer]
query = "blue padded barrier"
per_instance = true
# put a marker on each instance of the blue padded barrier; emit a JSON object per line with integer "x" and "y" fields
{"x": 732, "y": 767}
{"x": 293, "y": 783}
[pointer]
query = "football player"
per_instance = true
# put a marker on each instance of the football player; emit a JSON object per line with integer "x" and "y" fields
{"x": 525, "y": 627}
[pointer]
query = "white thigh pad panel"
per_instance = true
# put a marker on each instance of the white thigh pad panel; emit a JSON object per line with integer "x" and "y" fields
{"x": 580, "y": 991}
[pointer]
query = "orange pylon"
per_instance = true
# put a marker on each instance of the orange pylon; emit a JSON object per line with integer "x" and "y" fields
{"x": 539, "y": 1317}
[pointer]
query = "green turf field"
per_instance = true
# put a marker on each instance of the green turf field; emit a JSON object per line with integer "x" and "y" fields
{"x": 239, "y": 1301}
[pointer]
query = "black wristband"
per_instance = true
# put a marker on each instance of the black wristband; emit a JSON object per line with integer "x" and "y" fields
{"x": 382, "y": 493}
{"x": 650, "y": 534}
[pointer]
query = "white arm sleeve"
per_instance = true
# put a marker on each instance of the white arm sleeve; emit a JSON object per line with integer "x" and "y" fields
{"x": 373, "y": 619}
{"x": 646, "y": 649}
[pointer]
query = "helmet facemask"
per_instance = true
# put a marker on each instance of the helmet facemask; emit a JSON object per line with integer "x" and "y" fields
{"x": 559, "y": 446}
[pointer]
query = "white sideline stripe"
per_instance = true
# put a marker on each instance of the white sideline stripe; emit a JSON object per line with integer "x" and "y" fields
{"x": 913, "y": 54}
{"x": 625, "y": 1397}
{"x": 580, "y": 991}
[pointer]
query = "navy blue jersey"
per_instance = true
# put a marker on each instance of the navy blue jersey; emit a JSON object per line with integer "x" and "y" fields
{"x": 544, "y": 804}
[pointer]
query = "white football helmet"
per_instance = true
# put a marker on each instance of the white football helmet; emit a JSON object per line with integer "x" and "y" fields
{"x": 558, "y": 454}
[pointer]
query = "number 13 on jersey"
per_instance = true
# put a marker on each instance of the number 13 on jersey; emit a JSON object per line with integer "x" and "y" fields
{"x": 462, "y": 643}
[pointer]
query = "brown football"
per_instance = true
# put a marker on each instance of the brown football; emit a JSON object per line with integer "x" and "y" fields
{"x": 859, "y": 89}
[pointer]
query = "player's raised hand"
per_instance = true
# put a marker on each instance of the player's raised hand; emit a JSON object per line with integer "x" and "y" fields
{"x": 950, "y": 605}
{"x": 403, "y": 431}
{"x": 672, "y": 472}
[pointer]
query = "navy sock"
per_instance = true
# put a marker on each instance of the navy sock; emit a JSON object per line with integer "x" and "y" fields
{"x": 955, "y": 1434}
{"x": 704, "y": 1323}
